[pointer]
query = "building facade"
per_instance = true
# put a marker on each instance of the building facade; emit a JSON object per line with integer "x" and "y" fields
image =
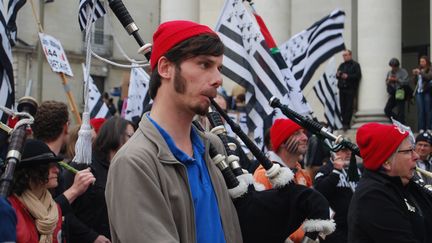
{"x": 374, "y": 30}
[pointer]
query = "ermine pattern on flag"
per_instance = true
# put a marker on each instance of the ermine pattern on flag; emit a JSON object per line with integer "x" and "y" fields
{"x": 248, "y": 62}
{"x": 8, "y": 33}
{"x": 99, "y": 11}
{"x": 138, "y": 96}
{"x": 305, "y": 51}
{"x": 96, "y": 105}
{"x": 328, "y": 93}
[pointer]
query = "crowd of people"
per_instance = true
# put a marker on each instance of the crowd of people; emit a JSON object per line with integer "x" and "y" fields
{"x": 157, "y": 181}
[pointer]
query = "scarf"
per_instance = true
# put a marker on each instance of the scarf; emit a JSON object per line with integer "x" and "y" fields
{"x": 45, "y": 212}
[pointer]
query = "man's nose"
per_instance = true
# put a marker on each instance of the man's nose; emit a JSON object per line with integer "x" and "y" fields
{"x": 217, "y": 78}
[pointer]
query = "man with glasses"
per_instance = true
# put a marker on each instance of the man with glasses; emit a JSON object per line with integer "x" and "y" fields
{"x": 388, "y": 206}
{"x": 348, "y": 75}
{"x": 423, "y": 147}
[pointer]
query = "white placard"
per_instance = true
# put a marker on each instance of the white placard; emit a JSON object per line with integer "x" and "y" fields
{"x": 55, "y": 54}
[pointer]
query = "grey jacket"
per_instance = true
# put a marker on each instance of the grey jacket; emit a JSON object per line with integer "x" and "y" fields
{"x": 148, "y": 196}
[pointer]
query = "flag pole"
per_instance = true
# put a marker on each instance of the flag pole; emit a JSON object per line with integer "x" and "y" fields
{"x": 70, "y": 98}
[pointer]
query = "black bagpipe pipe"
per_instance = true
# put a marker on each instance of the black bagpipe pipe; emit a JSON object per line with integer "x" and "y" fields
{"x": 313, "y": 126}
{"x": 17, "y": 138}
{"x": 128, "y": 23}
{"x": 272, "y": 215}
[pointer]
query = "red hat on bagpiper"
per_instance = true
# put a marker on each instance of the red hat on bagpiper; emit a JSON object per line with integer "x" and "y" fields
{"x": 377, "y": 142}
{"x": 171, "y": 33}
{"x": 281, "y": 130}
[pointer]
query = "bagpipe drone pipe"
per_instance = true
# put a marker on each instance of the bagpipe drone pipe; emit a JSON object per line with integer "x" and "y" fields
{"x": 27, "y": 107}
{"x": 313, "y": 126}
{"x": 269, "y": 215}
{"x": 121, "y": 12}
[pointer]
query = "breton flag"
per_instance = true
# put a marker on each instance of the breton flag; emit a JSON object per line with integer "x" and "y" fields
{"x": 8, "y": 30}
{"x": 328, "y": 93}
{"x": 138, "y": 97}
{"x": 294, "y": 98}
{"x": 308, "y": 49}
{"x": 96, "y": 105}
{"x": 99, "y": 11}
{"x": 248, "y": 62}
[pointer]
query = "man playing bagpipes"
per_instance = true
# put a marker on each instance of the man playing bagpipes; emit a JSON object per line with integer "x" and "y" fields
{"x": 336, "y": 183}
{"x": 388, "y": 206}
{"x": 289, "y": 142}
{"x": 162, "y": 185}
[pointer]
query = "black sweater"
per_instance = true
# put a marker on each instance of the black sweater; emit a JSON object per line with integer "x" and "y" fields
{"x": 334, "y": 185}
{"x": 383, "y": 210}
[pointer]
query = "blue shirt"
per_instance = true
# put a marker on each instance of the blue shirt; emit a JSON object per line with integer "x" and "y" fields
{"x": 207, "y": 217}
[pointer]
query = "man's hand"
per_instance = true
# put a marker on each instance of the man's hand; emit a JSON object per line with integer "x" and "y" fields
{"x": 81, "y": 182}
{"x": 344, "y": 76}
{"x": 416, "y": 71}
{"x": 338, "y": 163}
{"x": 102, "y": 239}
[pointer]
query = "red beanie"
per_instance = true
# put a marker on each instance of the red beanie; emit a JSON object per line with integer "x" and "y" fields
{"x": 281, "y": 130}
{"x": 377, "y": 142}
{"x": 171, "y": 33}
{"x": 96, "y": 123}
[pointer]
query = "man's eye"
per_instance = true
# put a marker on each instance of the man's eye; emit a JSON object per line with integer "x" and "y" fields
{"x": 205, "y": 65}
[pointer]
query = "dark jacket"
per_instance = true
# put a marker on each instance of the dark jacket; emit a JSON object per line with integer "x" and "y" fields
{"x": 148, "y": 192}
{"x": 90, "y": 208}
{"x": 352, "y": 68}
{"x": 336, "y": 188}
{"x": 426, "y": 75}
{"x": 383, "y": 210}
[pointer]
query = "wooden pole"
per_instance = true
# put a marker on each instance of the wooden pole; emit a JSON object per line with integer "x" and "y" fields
{"x": 71, "y": 98}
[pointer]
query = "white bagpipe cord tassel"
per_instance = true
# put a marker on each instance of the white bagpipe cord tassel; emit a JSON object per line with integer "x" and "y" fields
{"x": 83, "y": 146}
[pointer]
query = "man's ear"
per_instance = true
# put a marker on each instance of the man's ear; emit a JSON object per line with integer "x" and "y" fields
{"x": 387, "y": 165}
{"x": 66, "y": 128}
{"x": 165, "y": 68}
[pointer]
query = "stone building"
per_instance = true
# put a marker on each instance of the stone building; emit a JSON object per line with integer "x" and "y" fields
{"x": 374, "y": 30}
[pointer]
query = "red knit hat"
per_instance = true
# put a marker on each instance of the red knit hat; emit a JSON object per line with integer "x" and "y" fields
{"x": 377, "y": 142}
{"x": 171, "y": 33}
{"x": 96, "y": 123}
{"x": 281, "y": 130}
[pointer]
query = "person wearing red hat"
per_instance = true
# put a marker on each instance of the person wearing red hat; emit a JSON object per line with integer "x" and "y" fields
{"x": 162, "y": 185}
{"x": 96, "y": 123}
{"x": 388, "y": 206}
{"x": 289, "y": 144}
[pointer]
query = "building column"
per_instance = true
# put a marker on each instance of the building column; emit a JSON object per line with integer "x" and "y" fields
{"x": 379, "y": 39}
{"x": 175, "y": 9}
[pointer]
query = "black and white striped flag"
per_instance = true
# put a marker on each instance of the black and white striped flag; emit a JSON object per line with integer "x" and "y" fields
{"x": 308, "y": 49}
{"x": 328, "y": 93}
{"x": 99, "y": 11}
{"x": 96, "y": 105}
{"x": 8, "y": 30}
{"x": 248, "y": 62}
{"x": 138, "y": 97}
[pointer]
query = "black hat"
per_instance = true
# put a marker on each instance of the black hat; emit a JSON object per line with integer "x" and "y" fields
{"x": 424, "y": 136}
{"x": 36, "y": 153}
{"x": 394, "y": 62}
